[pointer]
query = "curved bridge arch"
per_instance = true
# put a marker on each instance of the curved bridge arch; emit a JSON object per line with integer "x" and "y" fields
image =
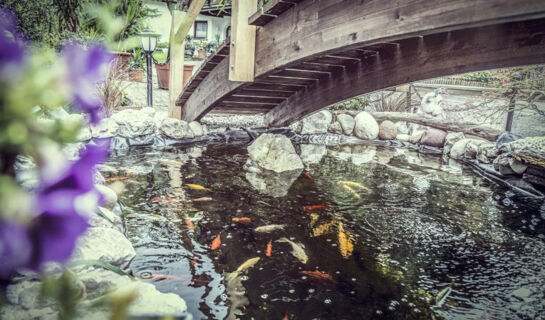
{"x": 318, "y": 53}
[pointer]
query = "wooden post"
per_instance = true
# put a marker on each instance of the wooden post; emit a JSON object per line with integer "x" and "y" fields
{"x": 242, "y": 54}
{"x": 175, "y": 81}
{"x": 181, "y": 23}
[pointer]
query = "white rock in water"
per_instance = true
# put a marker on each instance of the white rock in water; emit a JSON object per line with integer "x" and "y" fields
{"x": 366, "y": 126}
{"x": 458, "y": 149}
{"x": 109, "y": 196}
{"x": 134, "y": 123}
{"x": 312, "y": 153}
{"x": 316, "y": 123}
{"x": 106, "y": 244}
{"x": 274, "y": 152}
{"x": 347, "y": 123}
{"x": 106, "y": 128}
{"x": 196, "y": 128}
{"x": 176, "y": 129}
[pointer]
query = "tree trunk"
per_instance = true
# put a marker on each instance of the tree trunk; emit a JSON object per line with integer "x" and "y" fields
{"x": 486, "y": 132}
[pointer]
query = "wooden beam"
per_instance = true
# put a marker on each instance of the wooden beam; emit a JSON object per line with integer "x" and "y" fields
{"x": 314, "y": 28}
{"x": 471, "y": 128}
{"x": 194, "y": 9}
{"x": 475, "y": 49}
{"x": 176, "y": 72}
{"x": 242, "y": 55}
{"x": 211, "y": 90}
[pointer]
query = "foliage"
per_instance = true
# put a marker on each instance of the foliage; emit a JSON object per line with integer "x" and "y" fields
{"x": 392, "y": 102}
{"x": 54, "y": 22}
{"x": 161, "y": 57}
{"x": 112, "y": 90}
{"x": 359, "y": 103}
{"x": 138, "y": 59}
{"x": 483, "y": 76}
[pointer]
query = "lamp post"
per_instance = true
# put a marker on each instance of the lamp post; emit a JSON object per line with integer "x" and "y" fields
{"x": 149, "y": 42}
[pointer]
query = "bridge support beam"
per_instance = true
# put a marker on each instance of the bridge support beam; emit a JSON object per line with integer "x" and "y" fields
{"x": 242, "y": 54}
{"x": 474, "y": 49}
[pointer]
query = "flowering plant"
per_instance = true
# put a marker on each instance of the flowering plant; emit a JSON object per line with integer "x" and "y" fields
{"x": 41, "y": 226}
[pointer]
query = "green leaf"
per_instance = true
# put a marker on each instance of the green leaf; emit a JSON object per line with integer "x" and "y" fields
{"x": 442, "y": 296}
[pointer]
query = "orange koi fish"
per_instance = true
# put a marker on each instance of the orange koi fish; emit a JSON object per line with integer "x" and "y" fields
{"x": 216, "y": 243}
{"x": 155, "y": 276}
{"x": 268, "y": 252}
{"x": 307, "y": 175}
{"x": 317, "y": 275}
{"x": 201, "y": 199}
{"x": 286, "y": 316}
{"x": 110, "y": 180}
{"x": 189, "y": 224}
{"x": 243, "y": 220}
{"x": 315, "y": 207}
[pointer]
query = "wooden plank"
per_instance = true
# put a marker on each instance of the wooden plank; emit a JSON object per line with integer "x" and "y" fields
{"x": 248, "y": 105}
{"x": 301, "y": 74}
{"x": 267, "y": 100}
{"x": 315, "y": 28}
{"x": 248, "y": 92}
{"x": 242, "y": 55}
{"x": 270, "y": 11}
{"x": 273, "y": 87}
{"x": 212, "y": 89}
{"x": 289, "y": 81}
{"x": 475, "y": 49}
{"x": 317, "y": 67}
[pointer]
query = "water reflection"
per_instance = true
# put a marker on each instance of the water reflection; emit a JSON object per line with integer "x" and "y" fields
{"x": 418, "y": 225}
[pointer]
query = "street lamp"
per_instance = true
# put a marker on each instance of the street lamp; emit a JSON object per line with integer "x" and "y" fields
{"x": 149, "y": 42}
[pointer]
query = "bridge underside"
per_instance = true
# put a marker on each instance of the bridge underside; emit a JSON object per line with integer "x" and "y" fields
{"x": 306, "y": 84}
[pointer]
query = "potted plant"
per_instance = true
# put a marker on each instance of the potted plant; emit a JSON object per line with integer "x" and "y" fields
{"x": 121, "y": 62}
{"x": 136, "y": 66}
{"x": 189, "y": 47}
{"x": 201, "y": 49}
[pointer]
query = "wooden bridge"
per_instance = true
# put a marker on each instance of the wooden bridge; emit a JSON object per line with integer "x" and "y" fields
{"x": 310, "y": 54}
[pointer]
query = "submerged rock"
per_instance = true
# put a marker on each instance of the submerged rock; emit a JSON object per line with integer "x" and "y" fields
{"x": 433, "y": 137}
{"x": 312, "y": 153}
{"x": 316, "y": 123}
{"x": 104, "y": 244}
{"x": 387, "y": 130}
{"x": 176, "y": 129}
{"x": 271, "y": 183}
{"x": 347, "y": 123}
{"x": 366, "y": 126}
{"x": 274, "y": 152}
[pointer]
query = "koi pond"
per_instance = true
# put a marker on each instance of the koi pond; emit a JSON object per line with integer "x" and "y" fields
{"x": 362, "y": 233}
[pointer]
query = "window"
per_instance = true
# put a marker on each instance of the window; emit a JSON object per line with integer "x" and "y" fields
{"x": 201, "y": 29}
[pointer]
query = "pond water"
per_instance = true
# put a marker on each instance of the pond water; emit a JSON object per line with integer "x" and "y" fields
{"x": 407, "y": 228}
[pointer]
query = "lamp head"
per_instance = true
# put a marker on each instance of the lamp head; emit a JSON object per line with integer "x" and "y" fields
{"x": 149, "y": 40}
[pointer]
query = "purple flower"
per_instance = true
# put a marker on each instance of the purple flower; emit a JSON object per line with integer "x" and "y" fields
{"x": 86, "y": 69}
{"x": 12, "y": 52}
{"x": 15, "y": 248}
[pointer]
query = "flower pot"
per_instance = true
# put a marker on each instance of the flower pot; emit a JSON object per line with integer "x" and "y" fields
{"x": 163, "y": 74}
{"x": 136, "y": 75}
{"x": 121, "y": 63}
{"x": 201, "y": 53}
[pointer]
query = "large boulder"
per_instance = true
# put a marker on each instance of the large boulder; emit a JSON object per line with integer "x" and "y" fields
{"x": 366, "y": 126}
{"x": 450, "y": 139}
{"x": 529, "y": 150}
{"x": 316, "y": 123}
{"x": 274, "y": 152}
{"x": 106, "y": 128}
{"x": 387, "y": 130}
{"x": 176, "y": 129}
{"x": 347, "y": 123}
{"x": 106, "y": 244}
{"x": 135, "y": 123}
{"x": 433, "y": 137}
